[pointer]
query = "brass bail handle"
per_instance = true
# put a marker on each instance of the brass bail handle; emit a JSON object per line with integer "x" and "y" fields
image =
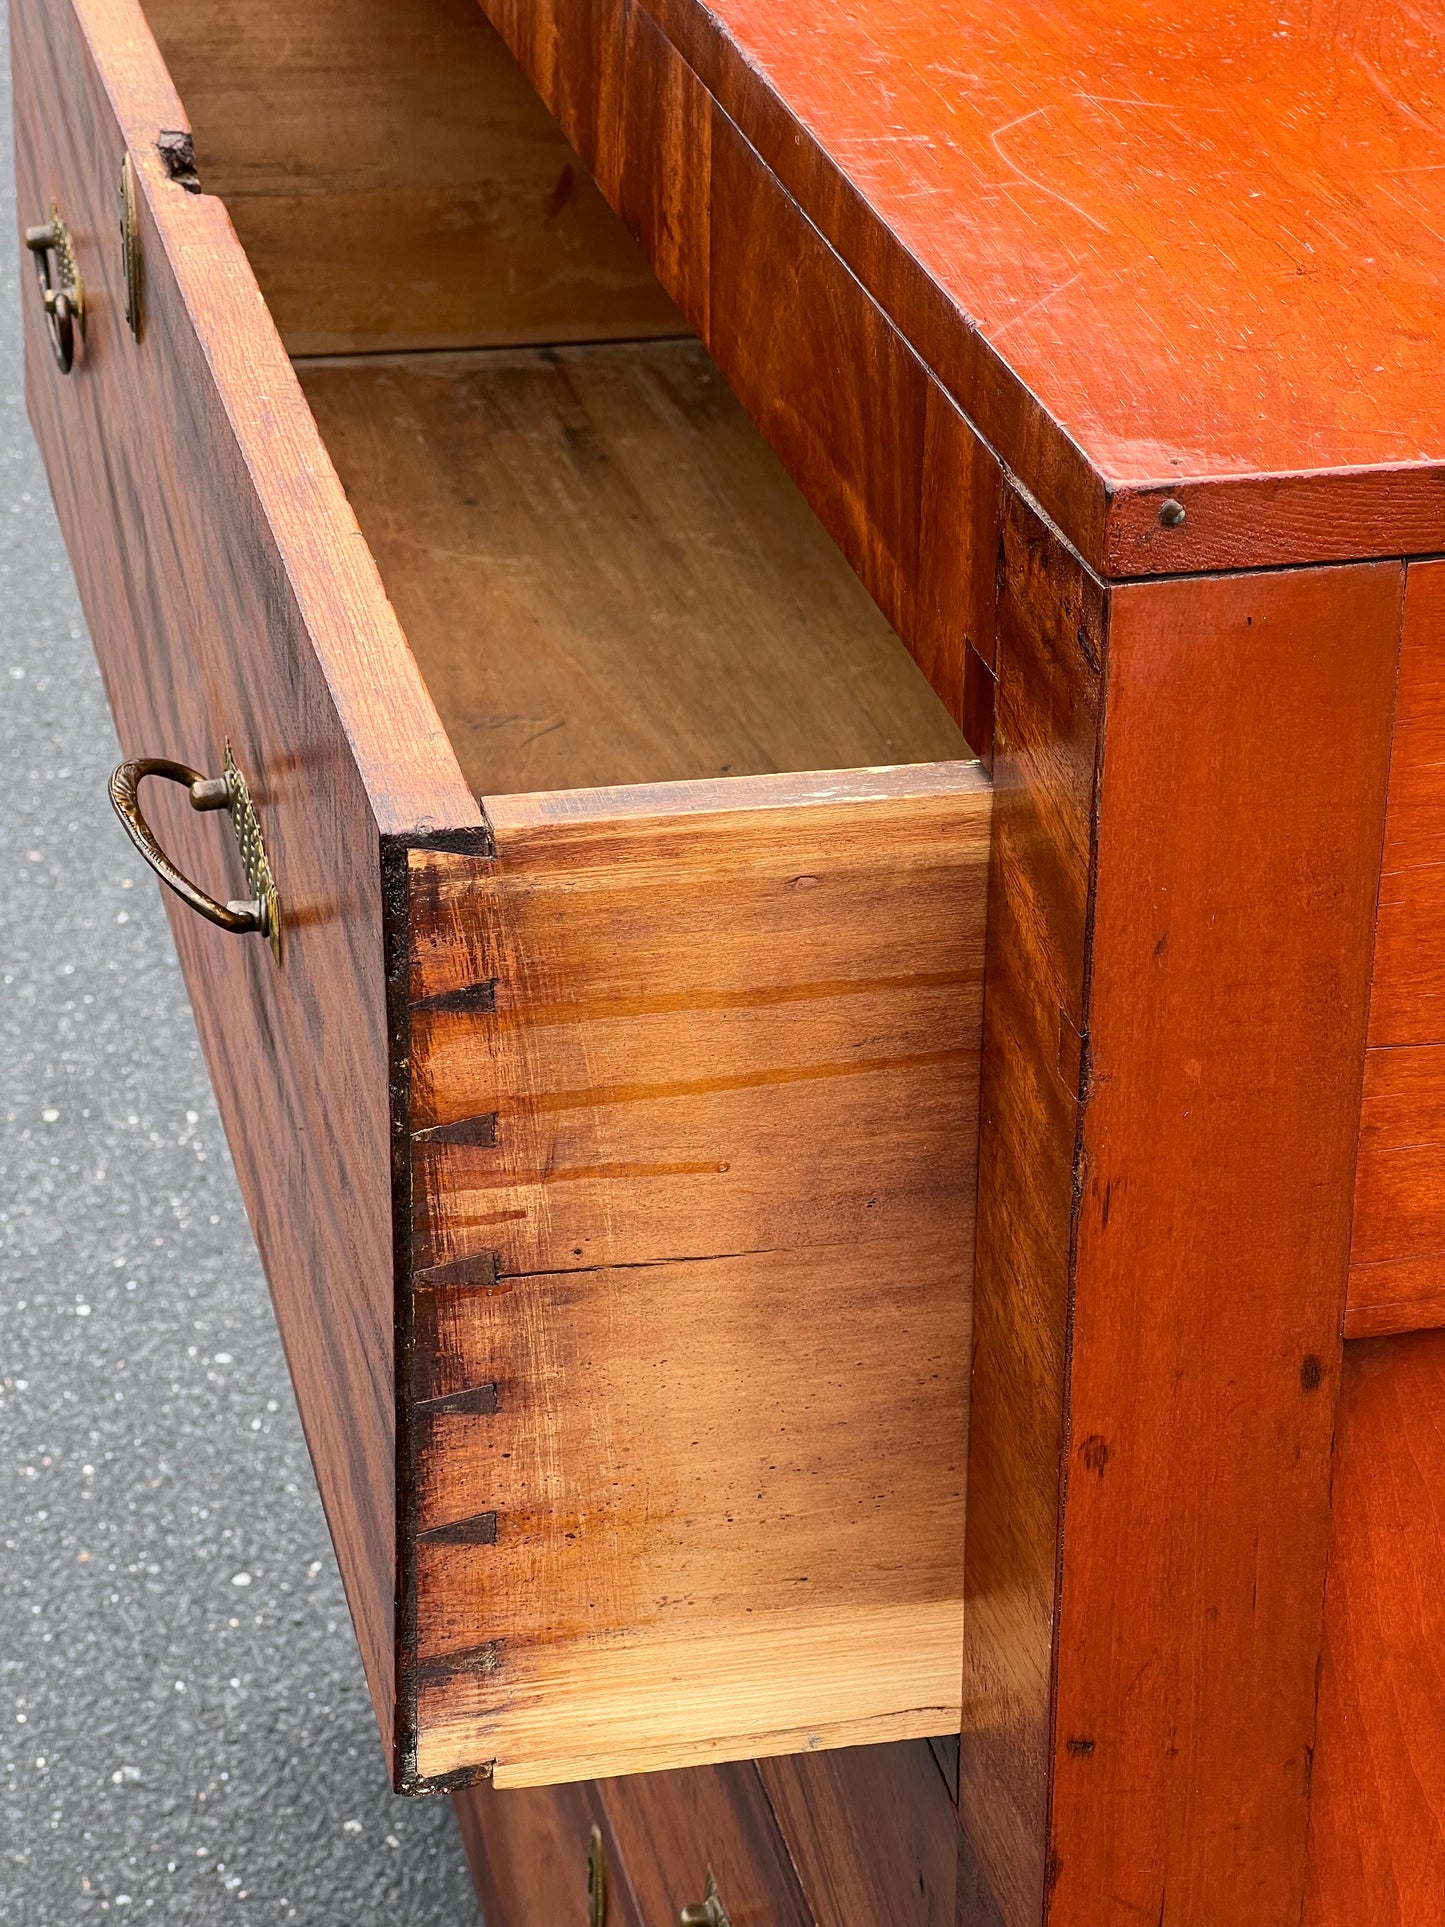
{"x": 206, "y": 793}
{"x": 62, "y": 296}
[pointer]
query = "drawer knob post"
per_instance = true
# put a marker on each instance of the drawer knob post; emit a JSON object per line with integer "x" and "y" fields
{"x": 62, "y": 297}
{"x": 260, "y": 913}
{"x": 596, "y": 1878}
{"x": 707, "y": 1912}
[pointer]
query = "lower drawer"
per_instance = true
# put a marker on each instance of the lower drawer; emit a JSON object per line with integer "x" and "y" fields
{"x": 606, "y": 1100}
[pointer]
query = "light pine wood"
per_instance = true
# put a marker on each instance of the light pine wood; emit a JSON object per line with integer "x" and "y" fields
{"x": 608, "y": 578}
{"x": 395, "y": 181}
{"x": 692, "y": 1195}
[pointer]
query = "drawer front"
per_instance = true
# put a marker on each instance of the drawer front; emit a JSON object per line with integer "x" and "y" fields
{"x": 872, "y": 1832}
{"x": 540, "y": 1855}
{"x": 694, "y": 1094}
{"x": 231, "y": 599}
{"x": 684, "y": 1836}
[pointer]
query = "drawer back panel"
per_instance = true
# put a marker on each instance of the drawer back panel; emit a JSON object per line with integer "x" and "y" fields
{"x": 395, "y": 181}
{"x": 694, "y": 1076}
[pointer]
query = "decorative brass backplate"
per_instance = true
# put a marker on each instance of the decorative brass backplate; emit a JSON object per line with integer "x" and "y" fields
{"x": 62, "y": 295}
{"x": 130, "y": 245}
{"x": 246, "y": 824}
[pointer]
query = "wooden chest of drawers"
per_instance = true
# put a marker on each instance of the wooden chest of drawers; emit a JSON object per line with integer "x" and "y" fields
{"x": 787, "y": 1235}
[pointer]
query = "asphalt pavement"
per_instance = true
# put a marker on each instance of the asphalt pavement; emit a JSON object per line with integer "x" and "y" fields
{"x": 185, "y": 1733}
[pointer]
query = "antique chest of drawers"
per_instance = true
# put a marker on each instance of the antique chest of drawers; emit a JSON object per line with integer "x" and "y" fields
{"x": 826, "y": 991}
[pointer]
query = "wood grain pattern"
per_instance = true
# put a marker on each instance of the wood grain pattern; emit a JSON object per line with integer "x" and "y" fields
{"x": 1397, "y": 1271}
{"x": 898, "y": 477}
{"x": 871, "y": 1833}
{"x": 606, "y": 576}
{"x": 719, "y": 1221}
{"x": 1377, "y": 1819}
{"x": 702, "y": 1015}
{"x": 1144, "y": 260}
{"x": 671, "y": 1828}
{"x": 395, "y": 181}
{"x": 1233, "y": 922}
{"x": 1050, "y": 648}
{"x": 230, "y": 596}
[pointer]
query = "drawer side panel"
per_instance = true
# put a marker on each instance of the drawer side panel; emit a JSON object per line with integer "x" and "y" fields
{"x": 693, "y": 1191}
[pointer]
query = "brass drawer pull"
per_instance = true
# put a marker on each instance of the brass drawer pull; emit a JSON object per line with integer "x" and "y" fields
{"x": 596, "y": 1878}
{"x": 63, "y": 297}
{"x": 261, "y": 913}
{"x": 707, "y": 1912}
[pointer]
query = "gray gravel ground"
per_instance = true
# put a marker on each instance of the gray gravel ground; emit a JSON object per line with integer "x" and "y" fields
{"x": 184, "y": 1729}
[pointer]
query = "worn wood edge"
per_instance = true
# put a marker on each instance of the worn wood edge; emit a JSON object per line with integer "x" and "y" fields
{"x": 658, "y": 1683}
{"x": 368, "y": 669}
{"x": 1234, "y": 521}
{"x": 754, "y": 1746}
{"x": 1387, "y": 1299}
{"x": 395, "y": 879}
{"x": 511, "y": 816}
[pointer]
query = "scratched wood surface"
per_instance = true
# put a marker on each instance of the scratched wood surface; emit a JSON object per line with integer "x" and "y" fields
{"x": 694, "y": 1073}
{"x": 230, "y": 597}
{"x": 395, "y": 181}
{"x": 1397, "y": 1272}
{"x": 607, "y": 577}
{"x": 1377, "y": 1820}
{"x": 1148, "y": 257}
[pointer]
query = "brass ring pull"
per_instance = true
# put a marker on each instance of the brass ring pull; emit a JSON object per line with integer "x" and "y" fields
{"x": 63, "y": 298}
{"x": 207, "y": 793}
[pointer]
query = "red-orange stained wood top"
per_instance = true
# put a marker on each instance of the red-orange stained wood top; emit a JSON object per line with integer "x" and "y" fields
{"x": 1183, "y": 247}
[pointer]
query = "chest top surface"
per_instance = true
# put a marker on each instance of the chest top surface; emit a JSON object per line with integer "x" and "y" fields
{"x": 1147, "y": 243}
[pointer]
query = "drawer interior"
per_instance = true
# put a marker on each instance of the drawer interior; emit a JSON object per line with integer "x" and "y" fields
{"x": 605, "y": 575}
{"x": 685, "y": 1063}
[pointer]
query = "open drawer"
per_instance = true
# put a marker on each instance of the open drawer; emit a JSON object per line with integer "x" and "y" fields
{"x": 609, "y": 1142}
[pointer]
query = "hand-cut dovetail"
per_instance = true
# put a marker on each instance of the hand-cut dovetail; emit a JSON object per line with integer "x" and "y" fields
{"x": 467, "y": 1130}
{"x": 445, "y": 1666}
{"x": 480, "y": 1530}
{"x": 478, "y": 997}
{"x": 480, "y": 1270}
{"x": 480, "y": 1400}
